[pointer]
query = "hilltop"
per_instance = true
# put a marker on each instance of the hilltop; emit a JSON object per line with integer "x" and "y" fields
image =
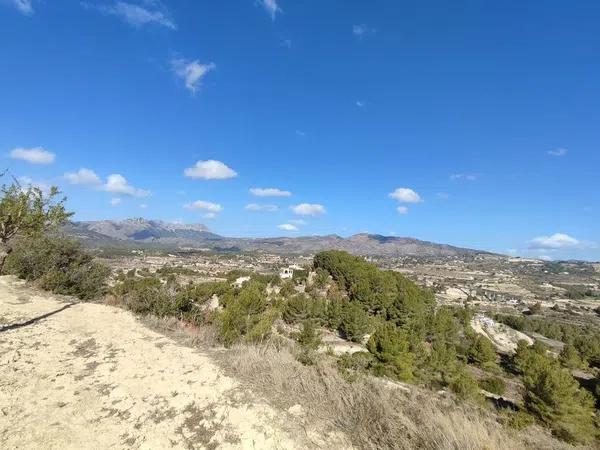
{"x": 141, "y": 232}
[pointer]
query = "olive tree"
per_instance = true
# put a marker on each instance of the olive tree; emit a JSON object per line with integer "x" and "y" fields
{"x": 27, "y": 211}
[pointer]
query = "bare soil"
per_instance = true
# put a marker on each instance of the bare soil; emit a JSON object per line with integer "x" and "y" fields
{"x": 89, "y": 376}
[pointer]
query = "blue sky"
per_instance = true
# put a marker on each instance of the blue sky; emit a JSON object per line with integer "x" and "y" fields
{"x": 472, "y": 123}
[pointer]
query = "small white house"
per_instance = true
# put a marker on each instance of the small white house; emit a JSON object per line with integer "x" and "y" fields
{"x": 238, "y": 283}
{"x": 286, "y": 273}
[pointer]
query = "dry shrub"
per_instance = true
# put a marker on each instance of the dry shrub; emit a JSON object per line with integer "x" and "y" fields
{"x": 374, "y": 413}
{"x": 183, "y": 332}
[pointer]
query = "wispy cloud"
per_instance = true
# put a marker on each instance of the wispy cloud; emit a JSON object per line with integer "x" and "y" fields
{"x": 360, "y": 103}
{"x": 405, "y": 195}
{"x": 402, "y": 210}
{"x": 442, "y": 195}
{"x": 23, "y": 6}
{"x": 255, "y": 207}
{"x": 138, "y": 14}
{"x": 269, "y": 192}
{"x": 463, "y": 176}
{"x": 115, "y": 201}
{"x": 558, "y": 152}
{"x": 202, "y": 204}
{"x": 36, "y": 155}
{"x": 271, "y": 7}
{"x": 308, "y": 209}
{"x": 362, "y": 30}
{"x": 210, "y": 170}
{"x": 191, "y": 72}
{"x": 287, "y": 227}
{"x": 83, "y": 176}
{"x": 117, "y": 184}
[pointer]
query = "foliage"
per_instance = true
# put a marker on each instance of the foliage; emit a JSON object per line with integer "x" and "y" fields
{"x": 355, "y": 323}
{"x": 569, "y": 357}
{"x": 309, "y": 340}
{"x": 554, "y": 397}
{"x": 390, "y": 346}
{"x": 59, "y": 265}
{"x": 300, "y": 308}
{"x": 26, "y": 212}
{"x": 383, "y": 293}
{"x": 464, "y": 385}
{"x": 245, "y": 315}
{"x": 482, "y": 352}
{"x": 494, "y": 385}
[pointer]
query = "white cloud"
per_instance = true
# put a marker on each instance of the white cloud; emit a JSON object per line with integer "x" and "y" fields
{"x": 402, "y": 210}
{"x": 360, "y": 103}
{"x": 191, "y": 72}
{"x": 36, "y": 155}
{"x": 115, "y": 201}
{"x": 271, "y": 7}
{"x": 210, "y": 215}
{"x": 556, "y": 241}
{"x": 207, "y": 206}
{"x": 362, "y": 30}
{"x": 255, "y": 207}
{"x": 117, "y": 184}
{"x": 463, "y": 176}
{"x": 308, "y": 209}
{"x": 287, "y": 227}
{"x": 405, "y": 195}
{"x": 83, "y": 176}
{"x": 210, "y": 170}
{"x": 558, "y": 152}
{"x": 137, "y": 14}
{"x": 23, "y": 6}
{"x": 143, "y": 206}
{"x": 269, "y": 192}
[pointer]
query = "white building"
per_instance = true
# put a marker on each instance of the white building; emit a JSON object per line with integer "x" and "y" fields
{"x": 286, "y": 273}
{"x": 240, "y": 282}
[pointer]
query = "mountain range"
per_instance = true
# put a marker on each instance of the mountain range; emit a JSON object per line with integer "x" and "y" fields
{"x": 141, "y": 232}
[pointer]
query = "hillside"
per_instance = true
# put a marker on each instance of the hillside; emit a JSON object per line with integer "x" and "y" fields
{"x": 81, "y": 375}
{"x": 143, "y": 232}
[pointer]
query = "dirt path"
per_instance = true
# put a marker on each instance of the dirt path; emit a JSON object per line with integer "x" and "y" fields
{"x": 88, "y": 376}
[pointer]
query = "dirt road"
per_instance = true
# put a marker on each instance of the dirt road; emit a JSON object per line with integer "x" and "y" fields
{"x": 89, "y": 376}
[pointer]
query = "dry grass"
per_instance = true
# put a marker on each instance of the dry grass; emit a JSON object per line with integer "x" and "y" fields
{"x": 371, "y": 412}
{"x": 375, "y": 414}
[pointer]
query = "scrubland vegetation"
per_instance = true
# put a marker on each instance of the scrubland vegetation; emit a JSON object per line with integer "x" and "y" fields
{"x": 273, "y": 330}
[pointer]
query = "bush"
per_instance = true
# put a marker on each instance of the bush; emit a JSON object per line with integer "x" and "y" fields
{"x": 355, "y": 322}
{"x": 58, "y": 264}
{"x": 244, "y": 315}
{"x": 309, "y": 340}
{"x": 300, "y": 308}
{"x": 482, "y": 352}
{"x": 390, "y": 346}
{"x": 464, "y": 385}
{"x": 517, "y": 420}
{"x": 494, "y": 385}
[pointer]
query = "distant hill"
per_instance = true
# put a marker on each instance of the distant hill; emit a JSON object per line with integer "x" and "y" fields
{"x": 142, "y": 232}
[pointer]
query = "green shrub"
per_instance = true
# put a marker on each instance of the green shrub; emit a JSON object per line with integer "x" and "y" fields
{"x": 494, "y": 385}
{"x": 518, "y": 420}
{"x": 58, "y": 264}
{"x": 464, "y": 385}
{"x": 243, "y": 315}
{"x": 390, "y": 346}
{"x": 355, "y": 322}
{"x": 309, "y": 340}
{"x": 482, "y": 352}
{"x": 301, "y": 307}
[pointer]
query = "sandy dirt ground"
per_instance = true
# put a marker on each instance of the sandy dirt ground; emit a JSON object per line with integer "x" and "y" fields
{"x": 89, "y": 376}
